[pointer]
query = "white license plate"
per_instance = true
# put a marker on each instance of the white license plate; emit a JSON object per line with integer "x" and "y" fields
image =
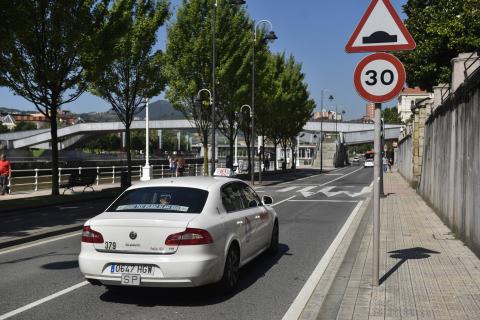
{"x": 142, "y": 269}
{"x": 131, "y": 279}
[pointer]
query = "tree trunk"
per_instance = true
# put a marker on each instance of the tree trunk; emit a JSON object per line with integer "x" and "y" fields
{"x": 129, "y": 154}
{"x": 205, "y": 154}
{"x": 53, "y": 132}
{"x": 284, "y": 167}
{"x": 231, "y": 144}
{"x": 249, "y": 155}
{"x": 275, "y": 145}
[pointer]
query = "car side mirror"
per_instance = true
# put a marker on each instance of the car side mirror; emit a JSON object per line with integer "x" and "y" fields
{"x": 267, "y": 200}
{"x": 252, "y": 204}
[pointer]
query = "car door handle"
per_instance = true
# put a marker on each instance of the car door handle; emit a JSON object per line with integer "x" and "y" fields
{"x": 240, "y": 222}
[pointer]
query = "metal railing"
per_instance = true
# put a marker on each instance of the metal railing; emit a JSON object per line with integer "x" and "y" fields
{"x": 32, "y": 180}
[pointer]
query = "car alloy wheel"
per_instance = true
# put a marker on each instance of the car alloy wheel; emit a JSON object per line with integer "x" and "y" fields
{"x": 273, "y": 249}
{"x": 231, "y": 272}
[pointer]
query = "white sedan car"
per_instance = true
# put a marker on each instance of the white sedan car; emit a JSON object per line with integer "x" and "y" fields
{"x": 368, "y": 163}
{"x": 178, "y": 232}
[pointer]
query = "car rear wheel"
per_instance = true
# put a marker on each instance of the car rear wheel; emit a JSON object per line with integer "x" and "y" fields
{"x": 273, "y": 248}
{"x": 231, "y": 272}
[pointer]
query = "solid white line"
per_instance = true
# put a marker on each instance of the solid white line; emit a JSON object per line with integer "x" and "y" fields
{"x": 284, "y": 200}
{"x": 347, "y": 201}
{"x": 40, "y": 242}
{"x": 39, "y": 302}
{"x": 345, "y": 175}
{"x": 287, "y": 189}
{"x": 295, "y": 310}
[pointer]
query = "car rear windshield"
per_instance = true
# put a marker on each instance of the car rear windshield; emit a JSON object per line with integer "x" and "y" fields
{"x": 161, "y": 199}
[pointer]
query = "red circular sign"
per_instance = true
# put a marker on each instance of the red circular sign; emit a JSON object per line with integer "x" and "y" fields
{"x": 379, "y": 77}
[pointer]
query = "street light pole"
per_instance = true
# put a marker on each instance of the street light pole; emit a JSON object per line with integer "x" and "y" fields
{"x": 271, "y": 36}
{"x": 251, "y": 119}
{"x": 213, "y": 124}
{"x": 146, "y": 168}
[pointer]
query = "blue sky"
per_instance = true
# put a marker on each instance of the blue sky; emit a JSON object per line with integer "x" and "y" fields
{"x": 314, "y": 31}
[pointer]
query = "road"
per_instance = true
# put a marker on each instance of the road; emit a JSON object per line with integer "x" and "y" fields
{"x": 311, "y": 212}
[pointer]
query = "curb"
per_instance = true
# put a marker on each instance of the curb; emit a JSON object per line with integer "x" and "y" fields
{"x": 41, "y": 235}
{"x": 316, "y": 305}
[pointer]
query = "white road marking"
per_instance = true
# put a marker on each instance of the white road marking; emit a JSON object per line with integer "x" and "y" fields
{"x": 284, "y": 200}
{"x": 314, "y": 200}
{"x": 306, "y": 191}
{"x": 327, "y": 191}
{"x": 39, "y": 302}
{"x": 296, "y": 308}
{"x": 40, "y": 242}
{"x": 287, "y": 189}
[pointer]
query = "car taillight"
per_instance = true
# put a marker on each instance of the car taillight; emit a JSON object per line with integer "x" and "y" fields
{"x": 189, "y": 237}
{"x": 91, "y": 236}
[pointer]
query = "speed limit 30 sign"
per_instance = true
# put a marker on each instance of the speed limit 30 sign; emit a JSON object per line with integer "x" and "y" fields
{"x": 379, "y": 77}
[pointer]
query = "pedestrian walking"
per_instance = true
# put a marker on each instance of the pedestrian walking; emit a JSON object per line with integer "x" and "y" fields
{"x": 390, "y": 164}
{"x": 180, "y": 167}
{"x": 385, "y": 164}
{"x": 5, "y": 173}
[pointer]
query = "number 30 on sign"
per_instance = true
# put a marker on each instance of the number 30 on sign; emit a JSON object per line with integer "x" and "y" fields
{"x": 379, "y": 77}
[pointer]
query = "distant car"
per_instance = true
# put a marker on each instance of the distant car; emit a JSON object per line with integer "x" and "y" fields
{"x": 178, "y": 232}
{"x": 368, "y": 163}
{"x": 356, "y": 160}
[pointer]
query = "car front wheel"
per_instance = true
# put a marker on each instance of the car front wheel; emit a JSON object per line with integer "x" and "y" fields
{"x": 231, "y": 272}
{"x": 273, "y": 248}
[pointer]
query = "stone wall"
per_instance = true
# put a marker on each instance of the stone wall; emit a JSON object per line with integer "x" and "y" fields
{"x": 450, "y": 177}
{"x": 404, "y": 158}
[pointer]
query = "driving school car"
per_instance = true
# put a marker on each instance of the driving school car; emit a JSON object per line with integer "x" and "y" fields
{"x": 179, "y": 232}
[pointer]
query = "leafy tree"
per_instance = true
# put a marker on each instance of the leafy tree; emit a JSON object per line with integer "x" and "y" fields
{"x": 189, "y": 67}
{"x": 3, "y": 128}
{"x": 442, "y": 29}
{"x": 41, "y": 45}
{"x": 24, "y": 126}
{"x": 391, "y": 116}
{"x": 104, "y": 142}
{"x": 130, "y": 71}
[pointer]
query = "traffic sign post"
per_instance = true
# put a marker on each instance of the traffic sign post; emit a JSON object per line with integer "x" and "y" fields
{"x": 379, "y": 78}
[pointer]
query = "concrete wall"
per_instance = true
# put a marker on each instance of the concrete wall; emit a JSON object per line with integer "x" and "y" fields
{"x": 404, "y": 158}
{"x": 450, "y": 178}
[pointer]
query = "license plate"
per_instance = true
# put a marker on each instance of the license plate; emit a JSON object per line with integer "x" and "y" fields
{"x": 142, "y": 269}
{"x": 131, "y": 279}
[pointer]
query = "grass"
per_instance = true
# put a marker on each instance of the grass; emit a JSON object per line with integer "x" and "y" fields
{"x": 43, "y": 201}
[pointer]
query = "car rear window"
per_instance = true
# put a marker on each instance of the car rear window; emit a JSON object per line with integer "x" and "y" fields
{"x": 161, "y": 199}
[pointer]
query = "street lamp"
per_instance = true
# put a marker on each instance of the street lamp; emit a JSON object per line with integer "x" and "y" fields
{"x": 270, "y": 36}
{"x": 214, "y": 81}
{"x": 146, "y": 172}
{"x": 198, "y": 104}
{"x": 321, "y": 127}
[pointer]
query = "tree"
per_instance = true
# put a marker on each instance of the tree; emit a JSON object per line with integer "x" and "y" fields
{"x": 189, "y": 67}
{"x": 442, "y": 29}
{"x": 3, "y": 128}
{"x": 40, "y": 54}
{"x": 391, "y": 116}
{"x": 129, "y": 72}
{"x": 24, "y": 126}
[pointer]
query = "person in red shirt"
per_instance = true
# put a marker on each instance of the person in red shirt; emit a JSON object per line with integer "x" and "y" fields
{"x": 5, "y": 173}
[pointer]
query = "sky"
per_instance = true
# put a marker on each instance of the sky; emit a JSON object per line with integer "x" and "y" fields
{"x": 314, "y": 31}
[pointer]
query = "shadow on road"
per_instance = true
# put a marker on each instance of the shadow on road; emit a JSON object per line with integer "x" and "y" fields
{"x": 201, "y": 296}
{"x": 404, "y": 255}
{"x": 61, "y": 265}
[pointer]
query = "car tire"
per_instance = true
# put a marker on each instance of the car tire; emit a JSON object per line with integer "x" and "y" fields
{"x": 273, "y": 248}
{"x": 231, "y": 271}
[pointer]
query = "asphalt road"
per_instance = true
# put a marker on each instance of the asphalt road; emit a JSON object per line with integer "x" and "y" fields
{"x": 311, "y": 211}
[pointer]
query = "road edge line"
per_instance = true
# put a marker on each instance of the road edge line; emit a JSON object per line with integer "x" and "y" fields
{"x": 296, "y": 308}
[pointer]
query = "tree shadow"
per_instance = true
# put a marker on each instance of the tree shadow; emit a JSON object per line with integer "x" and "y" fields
{"x": 199, "y": 296}
{"x": 404, "y": 255}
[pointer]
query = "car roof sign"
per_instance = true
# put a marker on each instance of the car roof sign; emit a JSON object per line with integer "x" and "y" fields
{"x": 224, "y": 172}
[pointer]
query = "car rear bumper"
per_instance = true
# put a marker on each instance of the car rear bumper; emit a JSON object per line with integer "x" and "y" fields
{"x": 170, "y": 270}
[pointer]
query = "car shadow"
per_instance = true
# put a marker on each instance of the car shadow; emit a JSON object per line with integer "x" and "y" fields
{"x": 61, "y": 265}
{"x": 200, "y": 296}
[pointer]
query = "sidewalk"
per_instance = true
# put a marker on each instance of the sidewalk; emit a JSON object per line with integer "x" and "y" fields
{"x": 425, "y": 272}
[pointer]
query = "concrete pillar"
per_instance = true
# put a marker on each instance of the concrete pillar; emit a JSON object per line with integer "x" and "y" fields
{"x": 439, "y": 92}
{"x": 179, "y": 141}
{"x": 124, "y": 140}
{"x": 159, "y": 132}
{"x": 459, "y": 71}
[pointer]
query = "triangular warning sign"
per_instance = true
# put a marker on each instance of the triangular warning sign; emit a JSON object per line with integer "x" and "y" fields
{"x": 380, "y": 29}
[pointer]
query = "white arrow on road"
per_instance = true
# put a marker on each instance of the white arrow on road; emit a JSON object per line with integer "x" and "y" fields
{"x": 327, "y": 191}
{"x": 306, "y": 191}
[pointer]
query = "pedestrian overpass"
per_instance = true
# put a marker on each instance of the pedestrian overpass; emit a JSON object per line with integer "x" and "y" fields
{"x": 354, "y": 133}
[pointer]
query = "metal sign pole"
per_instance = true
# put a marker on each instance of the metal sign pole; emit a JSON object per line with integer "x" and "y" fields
{"x": 376, "y": 194}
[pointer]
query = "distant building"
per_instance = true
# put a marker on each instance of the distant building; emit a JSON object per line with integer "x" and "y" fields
{"x": 408, "y": 98}
{"x": 40, "y": 120}
{"x": 324, "y": 115}
{"x": 369, "y": 112}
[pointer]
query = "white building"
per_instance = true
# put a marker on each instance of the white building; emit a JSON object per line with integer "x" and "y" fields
{"x": 408, "y": 98}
